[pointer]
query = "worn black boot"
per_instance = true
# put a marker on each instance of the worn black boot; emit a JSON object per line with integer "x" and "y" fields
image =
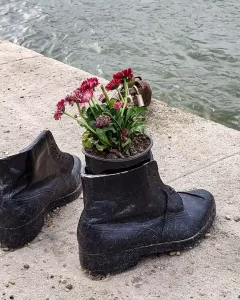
{"x": 33, "y": 182}
{"x": 133, "y": 214}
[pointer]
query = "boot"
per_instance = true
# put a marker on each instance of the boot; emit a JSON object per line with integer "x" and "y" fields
{"x": 132, "y": 214}
{"x": 33, "y": 182}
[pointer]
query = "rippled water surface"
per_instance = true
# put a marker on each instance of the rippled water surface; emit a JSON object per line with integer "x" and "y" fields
{"x": 189, "y": 51}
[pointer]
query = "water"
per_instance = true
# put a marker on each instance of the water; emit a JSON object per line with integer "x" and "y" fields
{"x": 189, "y": 51}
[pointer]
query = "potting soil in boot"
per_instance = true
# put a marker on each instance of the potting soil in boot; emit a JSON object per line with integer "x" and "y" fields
{"x": 33, "y": 182}
{"x": 132, "y": 214}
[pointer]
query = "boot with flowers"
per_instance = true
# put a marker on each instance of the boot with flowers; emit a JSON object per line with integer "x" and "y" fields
{"x": 128, "y": 211}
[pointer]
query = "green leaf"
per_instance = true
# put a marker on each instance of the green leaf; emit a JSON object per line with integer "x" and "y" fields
{"x": 109, "y": 128}
{"x": 111, "y": 102}
{"x": 89, "y": 112}
{"x": 100, "y": 147}
{"x": 97, "y": 110}
{"x": 87, "y": 140}
{"x": 83, "y": 123}
{"x": 88, "y": 143}
{"x": 118, "y": 117}
{"x": 85, "y": 135}
{"x": 130, "y": 112}
{"x": 128, "y": 141}
{"x": 138, "y": 128}
{"x": 102, "y": 137}
{"x": 115, "y": 141}
{"x": 92, "y": 124}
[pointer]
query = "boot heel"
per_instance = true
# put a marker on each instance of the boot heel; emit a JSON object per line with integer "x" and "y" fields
{"x": 108, "y": 263}
{"x": 20, "y": 236}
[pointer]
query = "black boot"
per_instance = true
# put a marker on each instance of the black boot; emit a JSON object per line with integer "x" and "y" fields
{"x": 33, "y": 182}
{"x": 133, "y": 214}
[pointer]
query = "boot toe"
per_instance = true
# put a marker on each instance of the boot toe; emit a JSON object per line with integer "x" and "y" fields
{"x": 199, "y": 204}
{"x": 199, "y": 207}
{"x": 201, "y": 193}
{"x": 196, "y": 219}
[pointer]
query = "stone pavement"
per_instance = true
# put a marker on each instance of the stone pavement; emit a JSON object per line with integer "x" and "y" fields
{"x": 191, "y": 153}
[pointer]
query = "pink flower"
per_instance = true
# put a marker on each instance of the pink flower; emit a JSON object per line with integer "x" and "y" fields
{"x": 113, "y": 84}
{"x": 101, "y": 97}
{"x": 86, "y": 96}
{"x": 117, "y": 105}
{"x": 88, "y": 84}
{"x": 102, "y": 121}
{"x": 60, "y": 109}
{"x": 70, "y": 99}
{"x": 127, "y": 73}
{"x": 82, "y": 97}
{"x": 77, "y": 95}
{"x": 57, "y": 115}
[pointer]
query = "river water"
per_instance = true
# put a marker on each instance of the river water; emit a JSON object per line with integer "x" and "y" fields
{"x": 189, "y": 51}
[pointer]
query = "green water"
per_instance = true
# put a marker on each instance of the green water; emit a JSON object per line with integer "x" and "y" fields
{"x": 189, "y": 51}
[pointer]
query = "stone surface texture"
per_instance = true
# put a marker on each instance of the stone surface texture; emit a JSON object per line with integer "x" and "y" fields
{"x": 191, "y": 153}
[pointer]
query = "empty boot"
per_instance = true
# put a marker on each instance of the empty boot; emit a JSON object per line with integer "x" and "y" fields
{"x": 33, "y": 182}
{"x": 133, "y": 214}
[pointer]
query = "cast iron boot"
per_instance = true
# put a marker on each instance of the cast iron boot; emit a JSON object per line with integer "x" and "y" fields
{"x": 33, "y": 182}
{"x": 141, "y": 92}
{"x": 124, "y": 219}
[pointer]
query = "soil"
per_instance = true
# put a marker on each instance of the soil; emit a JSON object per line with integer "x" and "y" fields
{"x": 140, "y": 143}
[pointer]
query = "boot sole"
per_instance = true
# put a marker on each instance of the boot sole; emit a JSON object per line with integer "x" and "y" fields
{"x": 20, "y": 236}
{"x": 113, "y": 263}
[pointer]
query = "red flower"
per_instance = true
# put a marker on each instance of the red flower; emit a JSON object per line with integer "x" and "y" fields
{"x": 113, "y": 84}
{"x": 77, "y": 96}
{"x": 82, "y": 97}
{"x": 60, "y": 109}
{"x": 88, "y": 84}
{"x": 101, "y": 97}
{"x": 86, "y": 96}
{"x": 127, "y": 73}
{"x": 70, "y": 99}
{"x": 102, "y": 121}
{"x": 117, "y": 105}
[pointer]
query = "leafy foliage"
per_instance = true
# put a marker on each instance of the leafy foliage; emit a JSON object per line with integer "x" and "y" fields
{"x": 124, "y": 123}
{"x": 111, "y": 123}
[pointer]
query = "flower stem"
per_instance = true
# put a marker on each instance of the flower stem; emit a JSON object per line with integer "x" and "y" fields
{"x": 108, "y": 114}
{"x": 126, "y": 88}
{"x": 85, "y": 124}
{"x": 79, "y": 110}
{"x": 126, "y": 95}
{"x": 120, "y": 95}
{"x": 90, "y": 105}
{"x": 96, "y": 103}
{"x": 67, "y": 114}
{"x": 105, "y": 93}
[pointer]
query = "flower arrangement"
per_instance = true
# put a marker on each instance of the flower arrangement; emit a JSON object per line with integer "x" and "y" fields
{"x": 114, "y": 126}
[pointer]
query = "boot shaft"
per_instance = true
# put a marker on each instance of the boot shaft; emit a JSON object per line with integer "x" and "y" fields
{"x": 33, "y": 180}
{"x": 134, "y": 193}
{"x": 40, "y": 160}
